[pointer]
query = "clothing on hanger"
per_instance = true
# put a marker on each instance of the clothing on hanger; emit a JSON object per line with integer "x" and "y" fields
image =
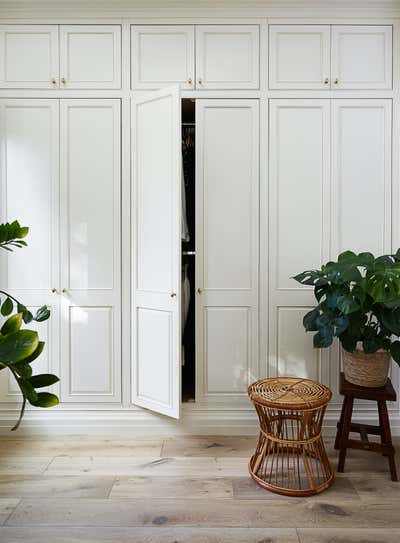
{"x": 185, "y": 228}
{"x": 185, "y": 294}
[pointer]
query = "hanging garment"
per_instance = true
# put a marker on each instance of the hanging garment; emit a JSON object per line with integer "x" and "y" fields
{"x": 185, "y": 228}
{"x": 185, "y": 295}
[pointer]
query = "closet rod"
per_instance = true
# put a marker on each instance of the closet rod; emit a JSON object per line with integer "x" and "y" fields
{"x": 188, "y": 253}
{"x": 188, "y": 124}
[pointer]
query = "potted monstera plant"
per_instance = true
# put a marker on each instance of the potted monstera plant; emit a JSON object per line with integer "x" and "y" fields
{"x": 358, "y": 302}
{"x": 19, "y": 346}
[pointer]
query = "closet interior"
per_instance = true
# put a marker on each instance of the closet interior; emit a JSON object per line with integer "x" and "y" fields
{"x": 188, "y": 250}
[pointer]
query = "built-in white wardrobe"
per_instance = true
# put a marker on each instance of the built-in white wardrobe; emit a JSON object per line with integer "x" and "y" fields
{"x": 294, "y": 128}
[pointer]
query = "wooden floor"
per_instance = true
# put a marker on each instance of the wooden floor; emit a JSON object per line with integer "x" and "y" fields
{"x": 181, "y": 489}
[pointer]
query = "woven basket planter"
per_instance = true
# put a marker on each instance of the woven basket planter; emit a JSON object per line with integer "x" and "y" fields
{"x": 366, "y": 369}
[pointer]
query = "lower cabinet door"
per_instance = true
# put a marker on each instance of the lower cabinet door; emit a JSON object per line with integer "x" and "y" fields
{"x": 29, "y": 194}
{"x": 227, "y": 239}
{"x": 90, "y": 251}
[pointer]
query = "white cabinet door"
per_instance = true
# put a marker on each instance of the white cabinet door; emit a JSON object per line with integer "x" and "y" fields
{"x": 227, "y": 56}
{"x": 156, "y": 265}
{"x": 362, "y": 176}
{"x": 299, "y": 227}
{"x": 299, "y": 56}
{"x": 90, "y": 251}
{"x": 29, "y": 176}
{"x": 227, "y": 203}
{"x": 162, "y": 55}
{"x": 29, "y": 56}
{"x": 362, "y": 57}
{"x": 90, "y": 56}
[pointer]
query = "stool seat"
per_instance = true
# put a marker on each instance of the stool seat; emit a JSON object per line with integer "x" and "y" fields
{"x": 290, "y": 457}
{"x": 342, "y": 442}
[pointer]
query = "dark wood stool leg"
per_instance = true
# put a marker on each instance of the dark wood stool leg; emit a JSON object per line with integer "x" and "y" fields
{"x": 387, "y": 437}
{"x": 348, "y": 410}
{"x": 339, "y": 426}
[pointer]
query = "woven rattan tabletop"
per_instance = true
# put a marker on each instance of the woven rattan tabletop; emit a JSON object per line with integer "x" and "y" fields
{"x": 289, "y": 393}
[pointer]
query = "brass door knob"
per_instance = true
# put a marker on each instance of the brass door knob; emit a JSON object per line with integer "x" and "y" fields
{"x": 53, "y": 290}
{"x": 200, "y": 81}
{"x": 173, "y": 294}
{"x": 336, "y": 81}
{"x": 199, "y": 290}
{"x": 326, "y": 81}
{"x": 189, "y": 81}
{"x": 54, "y": 81}
{"x": 63, "y": 81}
{"x": 64, "y": 290}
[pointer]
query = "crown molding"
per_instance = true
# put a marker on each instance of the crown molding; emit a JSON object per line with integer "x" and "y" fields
{"x": 198, "y": 8}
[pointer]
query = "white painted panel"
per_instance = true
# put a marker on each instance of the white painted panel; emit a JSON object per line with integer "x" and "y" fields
{"x": 228, "y": 349}
{"x": 91, "y": 177}
{"x": 299, "y": 56}
{"x": 227, "y": 56}
{"x": 296, "y": 355}
{"x": 29, "y": 180}
{"x": 28, "y": 56}
{"x": 90, "y": 56}
{"x": 362, "y": 175}
{"x": 362, "y": 57}
{"x": 299, "y": 184}
{"x": 227, "y": 245}
{"x": 156, "y": 357}
{"x": 228, "y": 194}
{"x": 156, "y": 264}
{"x": 162, "y": 55}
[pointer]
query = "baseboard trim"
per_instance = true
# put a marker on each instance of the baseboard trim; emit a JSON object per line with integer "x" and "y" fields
{"x": 142, "y": 422}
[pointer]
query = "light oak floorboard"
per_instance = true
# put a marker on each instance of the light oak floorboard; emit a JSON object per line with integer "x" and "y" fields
{"x": 214, "y": 446}
{"x": 376, "y": 489}
{"x": 202, "y": 513}
{"x": 349, "y": 536}
{"x": 171, "y": 487}
{"x": 7, "y": 506}
{"x": 165, "y": 466}
{"x": 30, "y": 486}
{"x": 23, "y": 465}
{"x": 80, "y": 446}
{"x": 148, "y": 535}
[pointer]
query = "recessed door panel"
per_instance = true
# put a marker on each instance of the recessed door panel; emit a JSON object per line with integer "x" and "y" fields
{"x": 29, "y": 56}
{"x": 156, "y": 233}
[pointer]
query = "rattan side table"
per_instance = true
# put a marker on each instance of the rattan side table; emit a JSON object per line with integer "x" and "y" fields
{"x": 290, "y": 457}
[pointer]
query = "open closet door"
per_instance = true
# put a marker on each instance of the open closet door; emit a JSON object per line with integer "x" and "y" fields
{"x": 156, "y": 237}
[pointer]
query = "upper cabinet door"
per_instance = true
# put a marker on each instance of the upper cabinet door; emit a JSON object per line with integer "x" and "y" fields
{"x": 156, "y": 235}
{"x": 29, "y": 56}
{"x": 299, "y": 56}
{"x": 90, "y": 57}
{"x": 362, "y": 57}
{"x": 162, "y": 55}
{"x": 227, "y": 56}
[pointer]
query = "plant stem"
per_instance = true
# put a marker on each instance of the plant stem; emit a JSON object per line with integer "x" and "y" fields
{"x": 12, "y": 297}
{"x": 21, "y": 413}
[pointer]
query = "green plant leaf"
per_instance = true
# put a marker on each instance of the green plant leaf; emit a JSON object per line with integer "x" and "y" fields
{"x": 28, "y": 390}
{"x": 322, "y": 339}
{"x": 23, "y": 369}
{"x": 36, "y": 353}
{"x": 340, "y": 324}
{"x": 43, "y": 380}
{"x": 46, "y": 399}
{"x": 309, "y": 320}
{"x": 42, "y": 314}
{"x": 12, "y": 324}
{"x": 7, "y": 307}
{"x": 346, "y": 255}
{"x": 18, "y": 345}
{"x": 346, "y": 304}
{"x": 27, "y": 316}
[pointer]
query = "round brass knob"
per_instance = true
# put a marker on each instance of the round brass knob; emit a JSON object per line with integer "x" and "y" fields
{"x": 173, "y": 294}
{"x": 63, "y": 81}
{"x": 53, "y": 290}
{"x": 326, "y": 81}
{"x": 200, "y": 81}
{"x": 336, "y": 81}
{"x": 64, "y": 290}
{"x": 199, "y": 290}
{"x": 54, "y": 81}
{"x": 189, "y": 81}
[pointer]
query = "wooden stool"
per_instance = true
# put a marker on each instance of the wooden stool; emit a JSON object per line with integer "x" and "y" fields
{"x": 345, "y": 426}
{"x": 290, "y": 457}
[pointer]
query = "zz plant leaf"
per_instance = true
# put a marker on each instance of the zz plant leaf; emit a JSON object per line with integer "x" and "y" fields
{"x": 358, "y": 302}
